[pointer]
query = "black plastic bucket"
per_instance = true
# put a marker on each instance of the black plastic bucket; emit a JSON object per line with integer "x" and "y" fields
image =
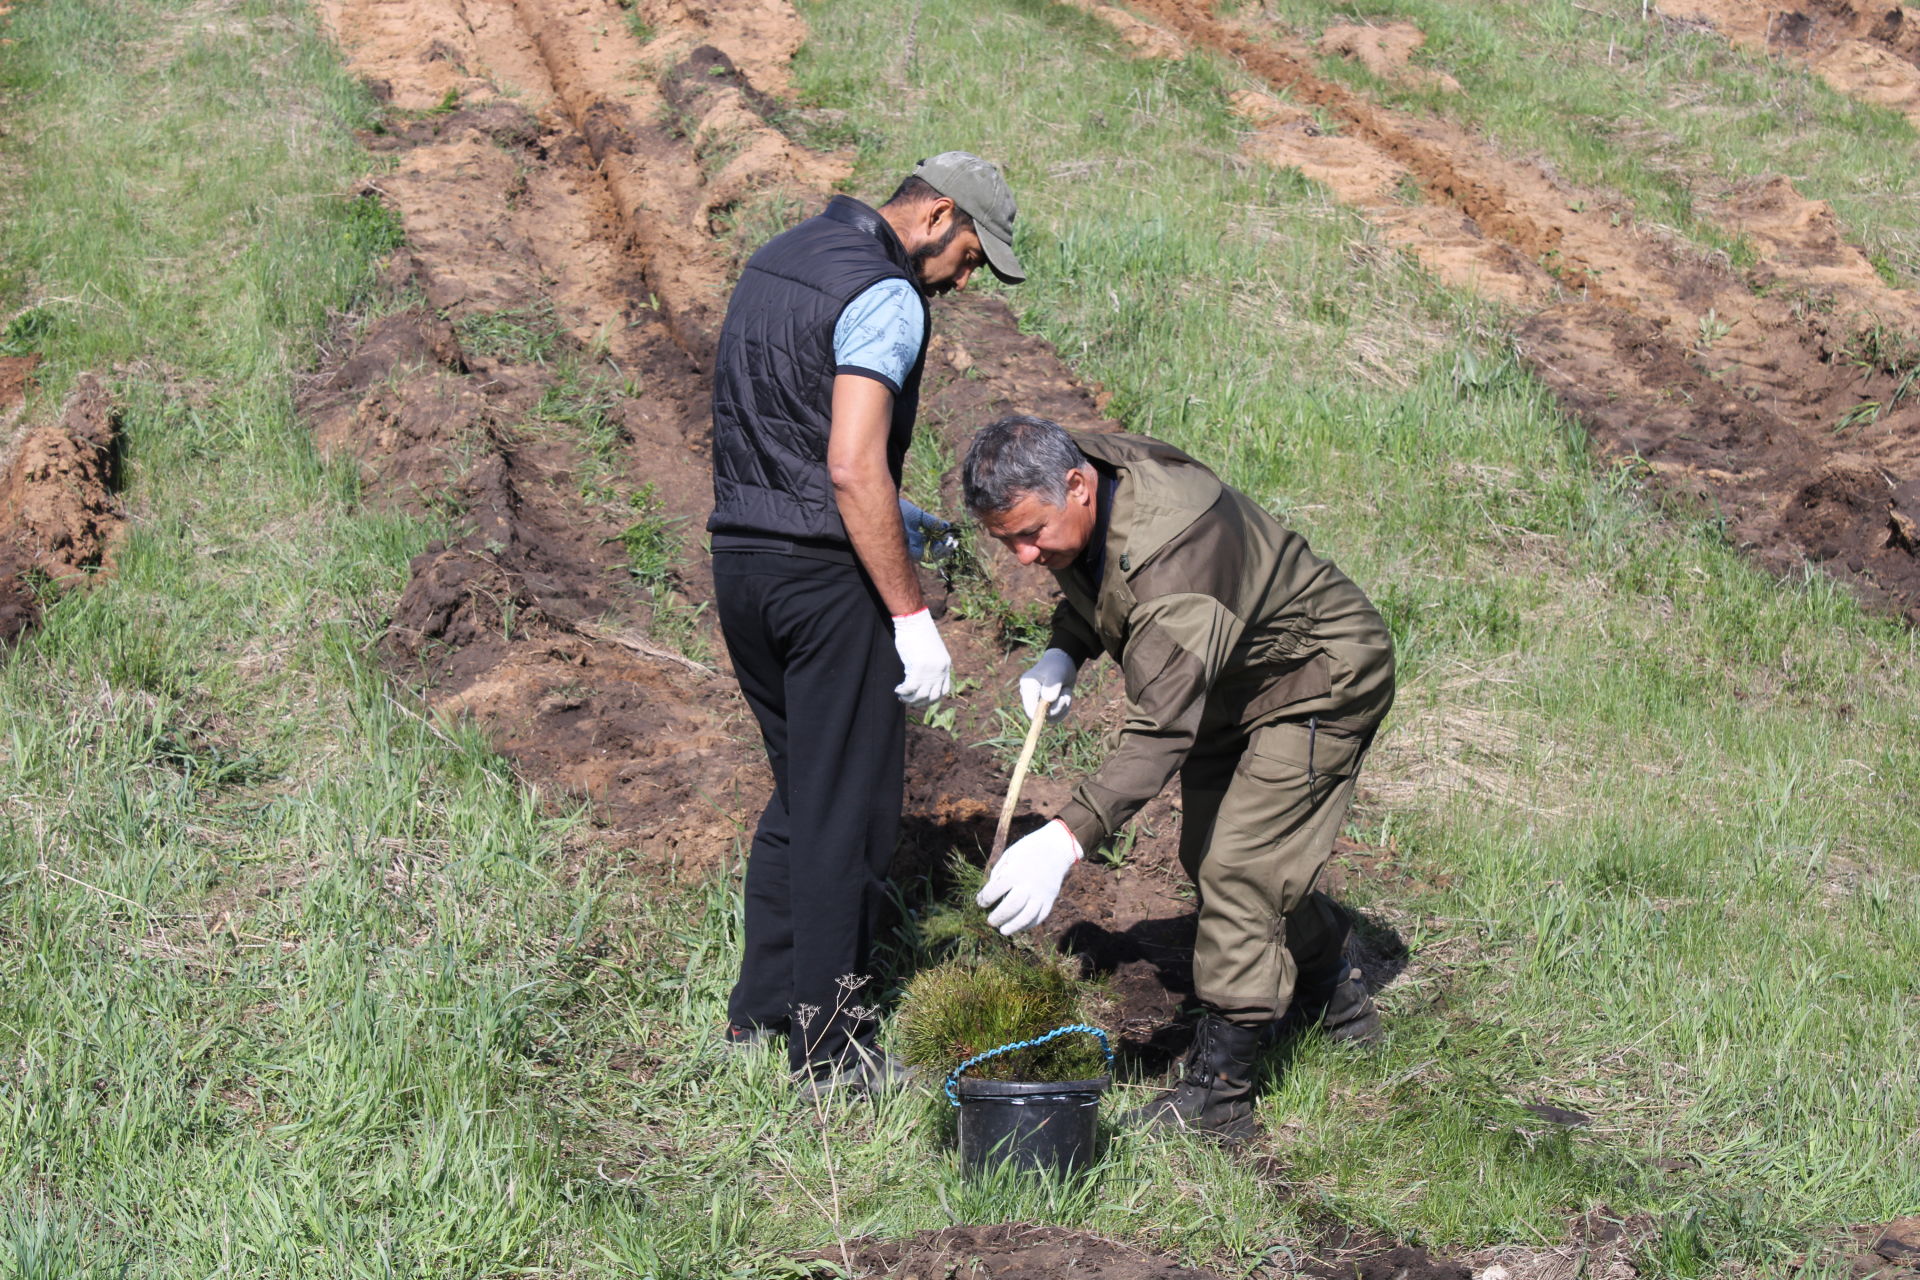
{"x": 1047, "y": 1126}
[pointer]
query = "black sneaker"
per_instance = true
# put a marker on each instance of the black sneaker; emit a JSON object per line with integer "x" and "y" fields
{"x": 738, "y": 1037}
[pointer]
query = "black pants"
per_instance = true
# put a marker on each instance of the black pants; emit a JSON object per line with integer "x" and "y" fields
{"x": 812, "y": 647}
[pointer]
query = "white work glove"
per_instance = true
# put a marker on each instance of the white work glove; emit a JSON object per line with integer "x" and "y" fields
{"x": 1049, "y": 683}
{"x": 924, "y": 656}
{"x": 1028, "y": 876}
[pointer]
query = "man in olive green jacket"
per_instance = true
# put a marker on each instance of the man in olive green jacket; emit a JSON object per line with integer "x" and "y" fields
{"x": 1254, "y": 669}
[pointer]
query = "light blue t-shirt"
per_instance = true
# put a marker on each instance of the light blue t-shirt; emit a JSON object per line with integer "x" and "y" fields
{"x": 880, "y": 332}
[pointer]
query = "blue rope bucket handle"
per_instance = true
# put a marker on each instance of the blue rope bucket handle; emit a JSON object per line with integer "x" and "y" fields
{"x": 953, "y": 1077}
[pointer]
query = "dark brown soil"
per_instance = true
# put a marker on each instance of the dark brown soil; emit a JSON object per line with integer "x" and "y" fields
{"x": 1880, "y": 1251}
{"x": 1010, "y": 1252}
{"x": 1403, "y": 1262}
{"x": 58, "y": 513}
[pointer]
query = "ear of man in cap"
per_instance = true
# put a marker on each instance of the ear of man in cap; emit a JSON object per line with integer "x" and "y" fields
{"x": 975, "y": 185}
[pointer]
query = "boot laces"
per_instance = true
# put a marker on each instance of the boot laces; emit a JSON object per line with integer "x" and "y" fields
{"x": 1199, "y": 1069}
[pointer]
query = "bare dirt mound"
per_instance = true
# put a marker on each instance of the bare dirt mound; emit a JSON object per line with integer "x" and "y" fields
{"x": 1143, "y": 39}
{"x": 1386, "y": 51}
{"x": 58, "y": 513}
{"x": 550, "y": 412}
{"x": 1869, "y": 51}
{"x": 1738, "y": 392}
{"x": 1885, "y": 1251}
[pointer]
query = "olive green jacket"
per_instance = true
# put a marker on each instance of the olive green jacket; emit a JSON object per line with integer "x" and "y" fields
{"x": 1220, "y": 619}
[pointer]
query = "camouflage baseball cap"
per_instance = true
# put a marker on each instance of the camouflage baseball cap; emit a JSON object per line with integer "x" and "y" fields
{"x": 977, "y": 187}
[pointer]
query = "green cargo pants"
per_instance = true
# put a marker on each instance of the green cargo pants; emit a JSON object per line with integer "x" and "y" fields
{"x": 1260, "y": 812}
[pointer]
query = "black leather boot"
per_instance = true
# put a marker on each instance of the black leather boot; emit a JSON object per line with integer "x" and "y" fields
{"x": 1351, "y": 1016}
{"x": 1214, "y": 1094}
{"x": 1336, "y": 1001}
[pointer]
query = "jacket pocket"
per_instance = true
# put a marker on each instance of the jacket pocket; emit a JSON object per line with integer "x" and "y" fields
{"x": 1286, "y": 751}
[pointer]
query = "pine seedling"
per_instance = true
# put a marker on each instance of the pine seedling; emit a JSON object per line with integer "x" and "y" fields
{"x": 967, "y": 1006}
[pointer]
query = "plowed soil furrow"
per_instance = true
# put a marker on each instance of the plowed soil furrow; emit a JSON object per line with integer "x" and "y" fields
{"x": 1868, "y": 51}
{"x": 1782, "y": 399}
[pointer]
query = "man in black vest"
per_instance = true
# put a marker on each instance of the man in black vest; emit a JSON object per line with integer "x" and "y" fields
{"x": 815, "y": 389}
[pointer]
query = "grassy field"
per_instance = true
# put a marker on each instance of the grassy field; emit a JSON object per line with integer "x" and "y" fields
{"x": 1667, "y": 115}
{"x": 295, "y": 983}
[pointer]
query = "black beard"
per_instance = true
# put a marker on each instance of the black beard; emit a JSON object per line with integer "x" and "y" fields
{"x": 928, "y": 252}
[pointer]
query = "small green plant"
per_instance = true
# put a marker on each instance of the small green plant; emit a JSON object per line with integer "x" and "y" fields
{"x": 518, "y": 335}
{"x": 371, "y": 228}
{"x": 637, "y": 22}
{"x": 651, "y": 542}
{"x": 1904, "y": 388}
{"x": 974, "y": 595}
{"x": 1115, "y": 852}
{"x": 965, "y": 1007}
{"x": 1712, "y": 329}
{"x": 653, "y": 546}
{"x": 25, "y": 331}
{"x": 1877, "y": 347}
{"x": 676, "y": 621}
{"x": 944, "y": 715}
{"x": 586, "y": 403}
{"x": 1864, "y": 414}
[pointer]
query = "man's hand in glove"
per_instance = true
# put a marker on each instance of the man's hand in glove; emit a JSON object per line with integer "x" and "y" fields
{"x": 923, "y": 655}
{"x": 1048, "y": 683}
{"x": 929, "y": 538}
{"x": 1028, "y": 876}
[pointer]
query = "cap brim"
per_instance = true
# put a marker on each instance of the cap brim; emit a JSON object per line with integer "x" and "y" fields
{"x": 1000, "y": 257}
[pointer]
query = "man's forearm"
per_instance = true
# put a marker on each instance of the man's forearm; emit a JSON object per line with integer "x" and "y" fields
{"x": 870, "y": 509}
{"x": 869, "y": 500}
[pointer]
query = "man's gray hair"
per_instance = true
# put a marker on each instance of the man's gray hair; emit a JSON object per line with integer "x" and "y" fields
{"x": 1018, "y": 455}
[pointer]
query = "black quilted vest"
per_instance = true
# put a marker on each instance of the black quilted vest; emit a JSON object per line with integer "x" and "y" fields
{"x": 773, "y": 376}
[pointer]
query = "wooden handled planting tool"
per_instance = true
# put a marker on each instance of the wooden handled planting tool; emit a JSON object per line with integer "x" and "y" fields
{"x": 1013, "y": 788}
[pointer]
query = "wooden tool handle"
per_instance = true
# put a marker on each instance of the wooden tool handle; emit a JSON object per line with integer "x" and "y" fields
{"x": 1013, "y": 788}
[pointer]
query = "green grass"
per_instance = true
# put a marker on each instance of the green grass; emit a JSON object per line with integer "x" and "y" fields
{"x": 531, "y": 334}
{"x": 294, "y": 981}
{"x": 278, "y": 953}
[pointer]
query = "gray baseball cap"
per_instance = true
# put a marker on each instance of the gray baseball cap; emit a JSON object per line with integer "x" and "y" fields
{"x": 977, "y": 187}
